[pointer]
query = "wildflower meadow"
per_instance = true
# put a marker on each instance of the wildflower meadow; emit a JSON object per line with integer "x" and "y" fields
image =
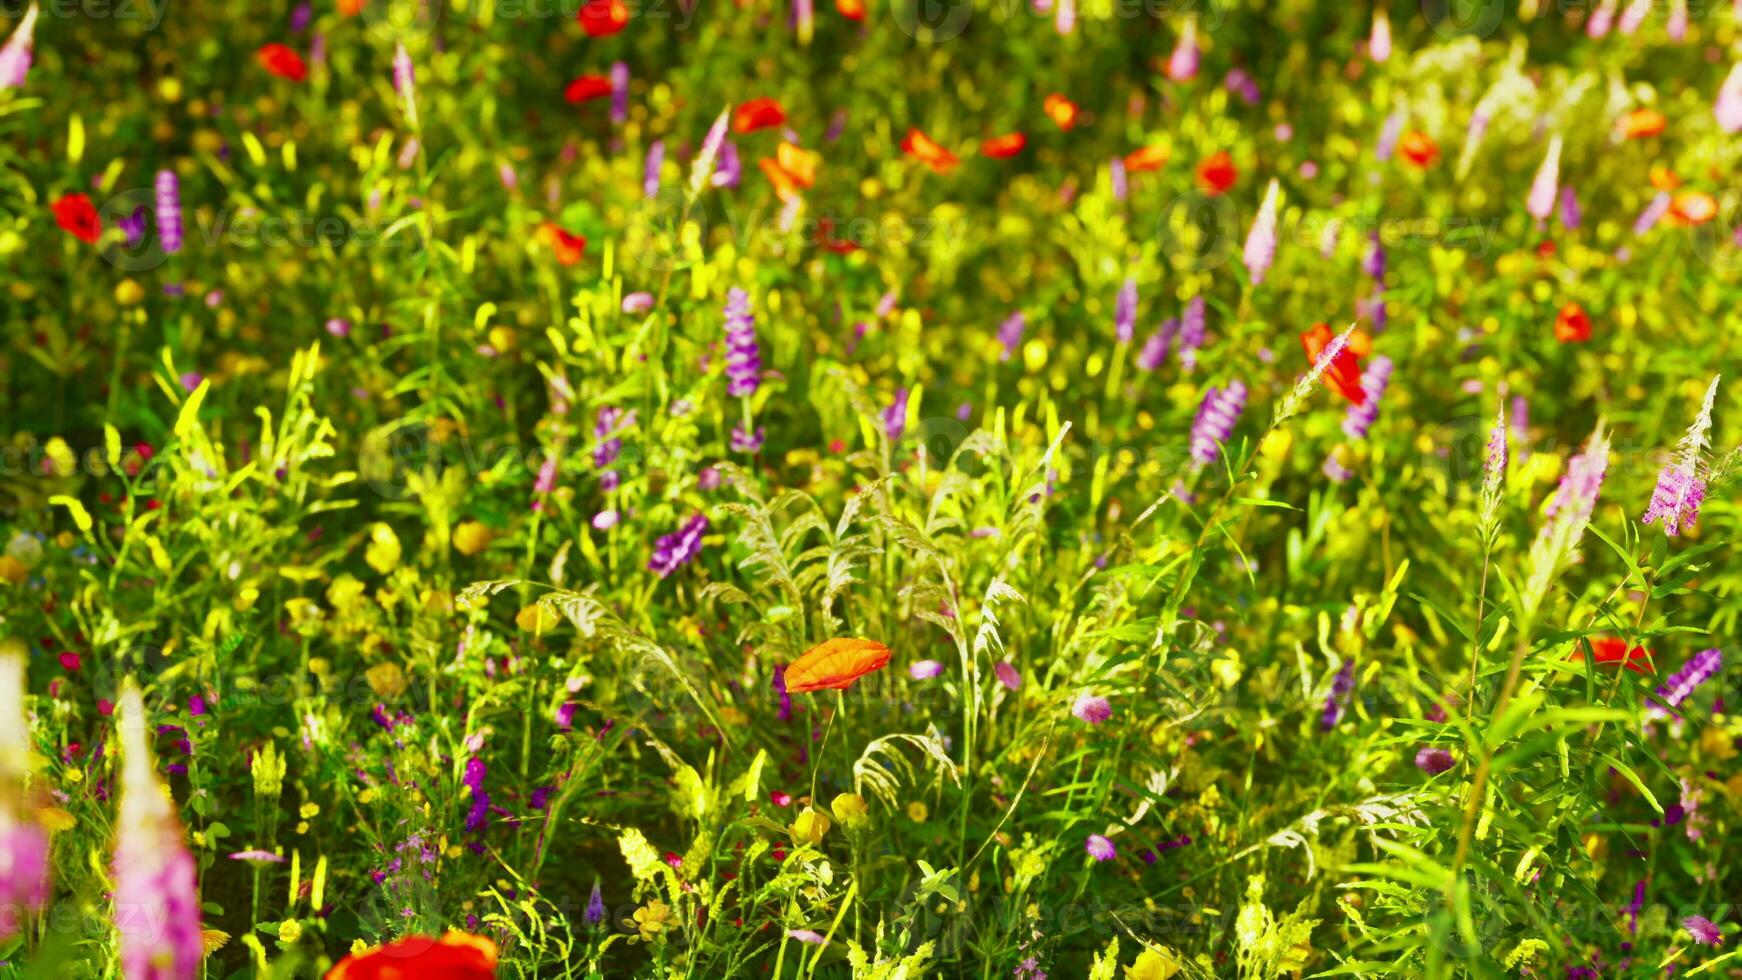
{"x": 875, "y": 489}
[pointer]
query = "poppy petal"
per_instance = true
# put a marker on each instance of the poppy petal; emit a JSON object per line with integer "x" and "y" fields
{"x": 835, "y": 664}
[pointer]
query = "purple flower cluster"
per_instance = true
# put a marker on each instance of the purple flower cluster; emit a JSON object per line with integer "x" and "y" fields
{"x": 895, "y": 416}
{"x": 679, "y": 548}
{"x": 1700, "y": 668}
{"x": 1676, "y": 499}
{"x": 743, "y": 356}
{"x": 479, "y": 814}
{"x": 1191, "y": 332}
{"x": 1341, "y": 687}
{"x": 605, "y": 453}
{"x": 1373, "y": 381}
{"x": 1010, "y": 334}
{"x": 1217, "y": 415}
{"x": 1125, "y": 311}
{"x": 1154, "y": 350}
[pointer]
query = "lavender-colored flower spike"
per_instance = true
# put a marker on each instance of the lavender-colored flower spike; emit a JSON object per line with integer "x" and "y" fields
{"x": 595, "y": 912}
{"x": 1260, "y": 249}
{"x": 1010, "y": 334}
{"x": 650, "y": 175}
{"x": 1570, "y": 213}
{"x": 729, "y": 170}
{"x": 1652, "y": 214}
{"x": 1379, "y": 41}
{"x": 1240, "y": 82}
{"x": 1388, "y": 136}
{"x": 1154, "y": 350}
{"x": 1677, "y": 25}
{"x": 1125, "y": 311}
{"x": 1601, "y": 20}
{"x": 619, "y": 92}
{"x": 1217, "y": 415}
{"x": 678, "y": 548}
{"x": 1374, "y": 264}
{"x": 169, "y": 211}
{"x": 1542, "y": 189}
{"x": 703, "y": 167}
{"x": 1568, "y": 514}
{"x": 743, "y": 356}
{"x": 1700, "y": 668}
{"x": 1191, "y": 332}
{"x": 1681, "y": 488}
{"x": 1634, "y": 16}
{"x": 895, "y": 416}
{"x": 1728, "y": 107}
{"x": 405, "y": 82}
{"x": 1117, "y": 178}
{"x": 1067, "y": 17}
{"x": 156, "y": 900}
{"x": 1182, "y": 65}
{"x": 24, "y": 850}
{"x": 1373, "y": 381}
{"x": 15, "y": 56}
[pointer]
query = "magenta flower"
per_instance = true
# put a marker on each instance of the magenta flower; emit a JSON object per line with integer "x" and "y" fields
{"x": 746, "y": 441}
{"x": 1100, "y": 848}
{"x": 1704, "y": 930}
{"x": 1125, "y": 311}
{"x": 1191, "y": 332}
{"x": 650, "y": 172}
{"x": 1007, "y": 675}
{"x": 637, "y": 303}
{"x": 619, "y": 92}
{"x": 895, "y": 416}
{"x": 925, "y": 670}
{"x": 1153, "y": 353}
{"x": 678, "y": 548}
{"x": 1341, "y": 686}
{"x": 1182, "y": 65}
{"x": 168, "y": 192}
{"x": 156, "y": 902}
{"x": 1601, "y": 20}
{"x": 24, "y": 862}
{"x": 1092, "y": 708}
{"x": 1570, "y": 213}
{"x": 1433, "y": 761}
{"x": 1010, "y": 334}
{"x": 1379, "y": 41}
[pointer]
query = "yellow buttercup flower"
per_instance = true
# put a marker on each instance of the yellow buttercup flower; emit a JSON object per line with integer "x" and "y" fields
{"x": 1151, "y": 964}
{"x": 471, "y": 537}
{"x": 810, "y": 827}
{"x": 653, "y": 920}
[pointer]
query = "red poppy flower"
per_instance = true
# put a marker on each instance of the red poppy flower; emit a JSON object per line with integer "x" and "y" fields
{"x": 1060, "y": 110}
{"x": 568, "y": 247}
{"x": 455, "y": 956}
{"x": 77, "y": 216}
{"x": 851, "y": 9}
{"x": 757, "y": 114}
{"x": 1572, "y": 325}
{"x": 588, "y": 87}
{"x": 282, "y": 61}
{"x": 835, "y": 664}
{"x": 827, "y": 238}
{"x": 1145, "y": 159}
{"x": 1344, "y": 371}
{"x": 1614, "y": 650}
{"x": 1003, "y": 147}
{"x": 603, "y": 18}
{"x": 1642, "y": 123}
{"x": 1216, "y": 173}
{"x": 924, "y": 149}
{"x": 1419, "y": 148}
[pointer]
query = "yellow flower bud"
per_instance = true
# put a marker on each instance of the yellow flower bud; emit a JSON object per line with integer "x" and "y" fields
{"x": 471, "y": 537}
{"x": 851, "y": 811}
{"x": 128, "y": 292}
{"x": 810, "y": 826}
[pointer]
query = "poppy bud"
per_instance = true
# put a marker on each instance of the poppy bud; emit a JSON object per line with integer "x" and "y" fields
{"x": 810, "y": 827}
{"x": 851, "y": 811}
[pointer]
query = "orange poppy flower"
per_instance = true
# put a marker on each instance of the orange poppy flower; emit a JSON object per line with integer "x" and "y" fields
{"x": 851, "y": 9}
{"x": 1572, "y": 324}
{"x": 757, "y": 114}
{"x": 1614, "y": 650}
{"x": 791, "y": 170}
{"x": 834, "y": 665}
{"x": 1664, "y": 179}
{"x": 568, "y": 247}
{"x": 1060, "y": 110}
{"x": 588, "y": 87}
{"x": 77, "y": 216}
{"x": 1216, "y": 173}
{"x": 1003, "y": 147}
{"x": 1344, "y": 371}
{"x": 1146, "y": 159}
{"x": 1419, "y": 148}
{"x": 602, "y": 18}
{"x": 922, "y": 148}
{"x": 281, "y": 61}
{"x": 1641, "y": 123}
{"x": 351, "y": 8}
{"x": 1693, "y": 207}
{"x": 455, "y": 956}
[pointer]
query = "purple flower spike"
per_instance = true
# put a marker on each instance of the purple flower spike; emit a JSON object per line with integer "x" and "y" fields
{"x": 1700, "y": 668}
{"x": 1125, "y": 311}
{"x": 1373, "y": 381}
{"x": 895, "y": 416}
{"x": 1010, "y": 334}
{"x": 1154, "y": 350}
{"x": 168, "y": 189}
{"x": 678, "y": 548}
{"x": 743, "y": 356}
{"x": 1217, "y": 416}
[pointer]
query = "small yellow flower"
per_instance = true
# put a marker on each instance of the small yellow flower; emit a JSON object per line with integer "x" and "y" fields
{"x": 810, "y": 827}
{"x": 54, "y": 820}
{"x": 212, "y": 940}
{"x": 75, "y": 776}
{"x": 851, "y": 811}
{"x": 289, "y": 931}
{"x": 652, "y": 920}
{"x": 1151, "y": 964}
{"x": 359, "y": 947}
{"x": 386, "y": 679}
{"x": 471, "y": 537}
{"x": 308, "y": 810}
{"x": 12, "y": 570}
{"x": 128, "y": 292}
{"x": 917, "y": 812}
